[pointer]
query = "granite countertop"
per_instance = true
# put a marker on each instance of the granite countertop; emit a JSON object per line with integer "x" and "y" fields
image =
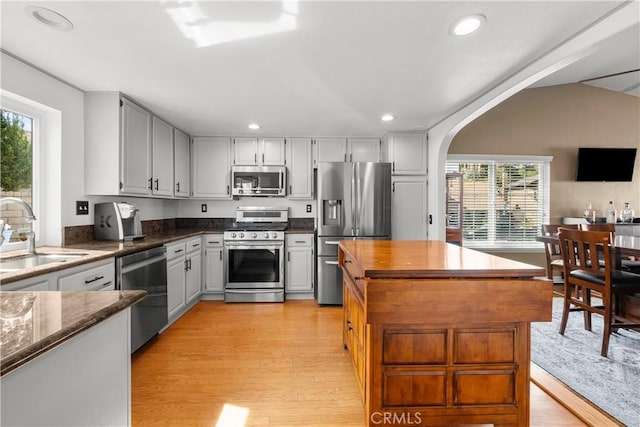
{"x": 33, "y": 323}
{"x": 96, "y": 250}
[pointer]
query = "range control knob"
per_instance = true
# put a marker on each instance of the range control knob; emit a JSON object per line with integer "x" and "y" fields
{"x": 266, "y": 235}
{"x": 254, "y": 235}
{"x": 241, "y": 235}
{"x": 274, "y": 235}
{"x": 233, "y": 235}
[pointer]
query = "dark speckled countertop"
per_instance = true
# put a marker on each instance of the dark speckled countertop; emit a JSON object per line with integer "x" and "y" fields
{"x": 56, "y": 316}
{"x": 96, "y": 250}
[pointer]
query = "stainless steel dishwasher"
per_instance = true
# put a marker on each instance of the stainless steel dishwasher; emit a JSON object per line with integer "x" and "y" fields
{"x": 147, "y": 271}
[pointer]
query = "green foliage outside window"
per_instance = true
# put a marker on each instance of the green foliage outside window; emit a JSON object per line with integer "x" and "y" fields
{"x": 15, "y": 163}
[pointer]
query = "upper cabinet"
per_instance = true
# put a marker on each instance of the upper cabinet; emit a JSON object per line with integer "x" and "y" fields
{"x": 128, "y": 151}
{"x": 210, "y": 167}
{"x": 259, "y": 152}
{"x": 330, "y": 150}
{"x": 300, "y": 168}
{"x": 162, "y": 184}
{"x": 407, "y": 153}
{"x": 346, "y": 150}
{"x": 363, "y": 149}
{"x": 181, "y": 187}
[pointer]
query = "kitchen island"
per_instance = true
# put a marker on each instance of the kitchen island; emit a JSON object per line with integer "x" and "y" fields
{"x": 440, "y": 334}
{"x": 65, "y": 357}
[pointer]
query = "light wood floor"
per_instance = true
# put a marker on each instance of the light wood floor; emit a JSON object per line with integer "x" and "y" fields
{"x": 262, "y": 365}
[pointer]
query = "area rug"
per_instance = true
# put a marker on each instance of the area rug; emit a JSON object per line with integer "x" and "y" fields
{"x": 612, "y": 383}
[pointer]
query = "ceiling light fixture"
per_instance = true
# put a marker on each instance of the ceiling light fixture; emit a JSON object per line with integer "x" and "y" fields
{"x": 387, "y": 118}
{"x": 49, "y": 18}
{"x": 467, "y": 25}
{"x": 254, "y": 126}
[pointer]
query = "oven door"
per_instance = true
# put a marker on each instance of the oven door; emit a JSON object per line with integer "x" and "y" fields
{"x": 254, "y": 265}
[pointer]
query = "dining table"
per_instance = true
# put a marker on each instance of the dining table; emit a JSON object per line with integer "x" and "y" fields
{"x": 625, "y": 246}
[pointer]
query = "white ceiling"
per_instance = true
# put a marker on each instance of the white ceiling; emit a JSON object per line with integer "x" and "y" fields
{"x": 305, "y": 68}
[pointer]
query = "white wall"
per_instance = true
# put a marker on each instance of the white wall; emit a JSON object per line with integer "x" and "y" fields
{"x": 65, "y": 165}
{"x": 226, "y": 208}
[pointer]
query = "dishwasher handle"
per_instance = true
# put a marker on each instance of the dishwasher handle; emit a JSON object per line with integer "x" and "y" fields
{"x": 130, "y": 267}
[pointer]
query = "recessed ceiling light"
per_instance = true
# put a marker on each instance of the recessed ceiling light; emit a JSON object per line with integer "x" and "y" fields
{"x": 467, "y": 25}
{"x": 254, "y": 126}
{"x": 387, "y": 118}
{"x": 49, "y": 18}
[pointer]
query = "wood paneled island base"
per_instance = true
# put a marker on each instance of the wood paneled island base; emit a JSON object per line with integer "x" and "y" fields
{"x": 440, "y": 334}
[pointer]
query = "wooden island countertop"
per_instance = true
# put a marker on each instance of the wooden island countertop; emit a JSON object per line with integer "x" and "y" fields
{"x": 440, "y": 334}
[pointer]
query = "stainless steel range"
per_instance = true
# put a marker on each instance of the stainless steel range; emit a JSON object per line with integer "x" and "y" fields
{"x": 254, "y": 255}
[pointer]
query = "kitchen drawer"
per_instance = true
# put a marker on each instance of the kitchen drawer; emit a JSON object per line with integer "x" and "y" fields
{"x": 213, "y": 240}
{"x": 91, "y": 278}
{"x": 194, "y": 245}
{"x": 305, "y": 240}
{"x": 175, "y": 250}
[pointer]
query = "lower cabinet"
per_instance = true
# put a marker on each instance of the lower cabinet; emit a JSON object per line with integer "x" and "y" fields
{"x": 93, "y": 276}
{"x": 214, "y": 264}
{"x": 184, "y": 275}
{"x": 299, "y": 268}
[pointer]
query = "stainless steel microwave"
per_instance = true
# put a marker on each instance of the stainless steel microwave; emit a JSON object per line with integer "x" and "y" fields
{"x": 259, "y": 180}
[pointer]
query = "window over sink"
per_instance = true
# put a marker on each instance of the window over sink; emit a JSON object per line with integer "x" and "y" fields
{"x": 19, "y": 172}
{"x": 506, "y": 199}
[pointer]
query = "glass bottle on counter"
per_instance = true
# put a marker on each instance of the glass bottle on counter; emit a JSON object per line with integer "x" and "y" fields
{"x": 611, "y": 213}
{"x": 626, "y": 215}
{"x": 590, "y": 214}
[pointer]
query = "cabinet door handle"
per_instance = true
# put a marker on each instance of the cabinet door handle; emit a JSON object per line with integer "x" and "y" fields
{"x": 351, "y": 157}
{"x": 393, "y": 166}
{"x": 345, "y": 157}
{"x": 263, "y": 158}
{"x": 151, "y": 183}
{"x": 220, "y": 255}
{"x": 157, "y": 180}
{"x": 177, "y": 251}
{"x": 288, "y": 256}
{"x": 255, "y": 157}
{"x": 195, "y": 245}
{"x": 300, "y": 241}
{"x": 227, "y": 189}
{"x": 178, "y": 187}
{"x": 95, "y": 279}
{"x": 213, "y": 242}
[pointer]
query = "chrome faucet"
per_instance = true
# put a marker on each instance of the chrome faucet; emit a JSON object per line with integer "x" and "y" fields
{"x": 31, "y": 235}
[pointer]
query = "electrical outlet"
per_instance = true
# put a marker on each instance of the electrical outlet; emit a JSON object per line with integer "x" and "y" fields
{"x": 308, "y": 208}
{"x": 203, "y": 207}
{"x": 82, "y": 207}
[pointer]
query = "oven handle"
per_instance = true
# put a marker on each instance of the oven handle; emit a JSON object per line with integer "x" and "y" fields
{"x": 255, "y": 246}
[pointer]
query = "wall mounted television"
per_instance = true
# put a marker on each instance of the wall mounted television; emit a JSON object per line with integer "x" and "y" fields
{"x": 605, "y": 164}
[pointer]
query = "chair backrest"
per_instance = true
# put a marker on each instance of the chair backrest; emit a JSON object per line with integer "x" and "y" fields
{"x": 553, "y": 249}
{"x": 601, "y": 226}
{"x": 589, "y": 251}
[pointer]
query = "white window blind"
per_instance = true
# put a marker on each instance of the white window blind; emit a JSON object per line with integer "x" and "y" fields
{"x": 505, "y": 199}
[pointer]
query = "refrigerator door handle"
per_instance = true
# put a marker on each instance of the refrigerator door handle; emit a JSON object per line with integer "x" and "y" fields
{"x": 358, "y": 196}
{"x": 353, "y": 198}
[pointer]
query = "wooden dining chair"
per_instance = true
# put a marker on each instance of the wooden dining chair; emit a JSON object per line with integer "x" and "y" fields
{"x": 626, "y": 264}
{"x": 552, "y": 250}
{"x": 581, "y": 251}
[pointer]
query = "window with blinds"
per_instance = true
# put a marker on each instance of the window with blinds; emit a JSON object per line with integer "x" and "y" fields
{"x": 505, "y": 199}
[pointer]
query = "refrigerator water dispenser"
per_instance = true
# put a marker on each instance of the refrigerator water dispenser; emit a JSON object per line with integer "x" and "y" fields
{"x": 332, "y": 212}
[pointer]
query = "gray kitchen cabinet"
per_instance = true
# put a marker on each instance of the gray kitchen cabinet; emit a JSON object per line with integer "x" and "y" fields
{"x": 214, "y": 264}
{"x": 181, "y": 185}
{"x": 409, "y": 215}
{"x": 211, "y": 167}
{"x": 193, "y": 269}
{"x": 117, "y": 145}
{"x": 184, "y": 275}
{"x": 99, "y": 275}
{"x": 300, "y": 168}
{"x": 407, "y": 152}
{"x": 363, "y": 149}
{"x": 300, "y": 260}
{"x": 329, "y": 150}
{"x": 259, "y": 152}
{"x": 44, "y": 282}
{"x": 163, "y": 162}
{"x": 176, "y": 278}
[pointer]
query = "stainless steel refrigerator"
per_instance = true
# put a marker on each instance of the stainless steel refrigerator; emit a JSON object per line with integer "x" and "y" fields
{"x": 354, "y": 202}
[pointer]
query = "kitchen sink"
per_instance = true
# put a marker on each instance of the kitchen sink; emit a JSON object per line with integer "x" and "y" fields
{"x": 22, "y": 262}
